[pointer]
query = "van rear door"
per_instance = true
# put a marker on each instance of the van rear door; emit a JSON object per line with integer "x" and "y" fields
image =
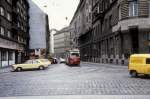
{"x": 146, "y": 68}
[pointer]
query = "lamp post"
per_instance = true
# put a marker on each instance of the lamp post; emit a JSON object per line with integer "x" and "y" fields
{"x": 45, "y": 6}
{"x": 66, "y": 18}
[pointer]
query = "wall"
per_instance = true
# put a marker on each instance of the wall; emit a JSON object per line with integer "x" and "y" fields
{"x": 62, "y": 41}
{"x": 37, "y": 27}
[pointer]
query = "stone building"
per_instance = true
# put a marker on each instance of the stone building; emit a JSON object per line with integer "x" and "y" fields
{"x": 119, "y": 28}
{"x": 62, "y": 42}
{"x": 81, "y": 28}
{"x": 76, "y": 25}
{"x": 14, "y": 31}
{"x": 105, "y": 43}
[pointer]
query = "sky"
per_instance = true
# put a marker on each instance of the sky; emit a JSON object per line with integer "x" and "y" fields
{"x": 58, "y": 10}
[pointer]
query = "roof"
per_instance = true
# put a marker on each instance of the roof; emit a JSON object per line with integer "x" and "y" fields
{"x": 65, "y": 29}
{"x": 78, "y": 7}
{"x": 141, "y": 55}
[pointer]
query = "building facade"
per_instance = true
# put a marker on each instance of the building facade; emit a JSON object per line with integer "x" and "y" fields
{"x": 81, "y": 28}
{"x": 119, "y": 28}
{"x": 39, "y": 32}
{"x": 62, "y": 42}
{"x": 123, "y": 29}
{"x": 75, "y": 26}
{"x": 13, "y": 31}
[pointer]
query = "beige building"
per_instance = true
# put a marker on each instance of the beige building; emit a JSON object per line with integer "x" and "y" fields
{"x": 61, "y": 42}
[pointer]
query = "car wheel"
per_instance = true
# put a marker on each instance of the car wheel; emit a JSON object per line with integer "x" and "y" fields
{"x": 19, "y": 69}
{"x": 133, "y": 73}
{"x": 41, "y": 67}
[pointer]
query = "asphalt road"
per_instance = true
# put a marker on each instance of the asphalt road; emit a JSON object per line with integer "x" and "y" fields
{"x": 88, "y": 79}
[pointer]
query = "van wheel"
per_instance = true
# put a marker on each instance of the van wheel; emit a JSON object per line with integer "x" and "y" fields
{"x": 41, "y": 67}
{"x": 146, "y": 75}
{"x": 19, "y": 69}
{"x": 133, "y": 73}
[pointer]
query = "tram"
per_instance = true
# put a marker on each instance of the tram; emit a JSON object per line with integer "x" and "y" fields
{"x": 73, "y": 57}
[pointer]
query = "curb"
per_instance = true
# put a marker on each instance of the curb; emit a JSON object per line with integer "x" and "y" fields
{"x": 5, "y": 69}
{"x": 82, "y": 97}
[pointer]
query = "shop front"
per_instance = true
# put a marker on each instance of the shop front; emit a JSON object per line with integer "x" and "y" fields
{"x": 7, "y": 57}
{"x": 10, "y": 53}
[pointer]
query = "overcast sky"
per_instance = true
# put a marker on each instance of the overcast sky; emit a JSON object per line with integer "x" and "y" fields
{"x": 58, "y": 10}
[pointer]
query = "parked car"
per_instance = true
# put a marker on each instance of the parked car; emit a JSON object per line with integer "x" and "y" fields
{"x": 139, "y": 64}
{"x": 62, "y": 60}
{"x": 32, "y": 64}
{"x": 54, "y": 60}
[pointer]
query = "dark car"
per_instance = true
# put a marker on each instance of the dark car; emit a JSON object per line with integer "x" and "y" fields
{"x": 54, "y": 61}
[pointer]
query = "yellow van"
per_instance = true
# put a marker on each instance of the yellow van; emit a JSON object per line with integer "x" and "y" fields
{"x": 139, "y": 64}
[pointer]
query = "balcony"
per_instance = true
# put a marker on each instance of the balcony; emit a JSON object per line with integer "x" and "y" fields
{"x": 98, "y": 12}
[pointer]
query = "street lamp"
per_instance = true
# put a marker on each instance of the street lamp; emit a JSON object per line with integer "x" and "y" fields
{"x": 66, "y": 18}
{"x": 45, "y": 6}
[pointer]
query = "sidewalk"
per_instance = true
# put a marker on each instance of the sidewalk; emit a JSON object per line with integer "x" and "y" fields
{"x": 82, "y": 97}
{"x": 108, "y": 65}
{"x": 5, "y": 70}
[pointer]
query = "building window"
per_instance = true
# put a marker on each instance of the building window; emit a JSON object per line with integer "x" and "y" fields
{"x": 18, "y": 38}
{"x": 110, "y": 20}
{"x": 9, "y": 1}
{"x": 10, "y": 56}
{"x": 8, "y": 16}
{"x": 133, "y": 8}
{"x": 119, "y": 12}
{"x": 2, "y": 32}
{"x": 18, "y": 10}
{"x": 149, "y": 7}
{"x": 2, "y": 11}
{"x": 9, "y": 34}
{"x": 18, "y": 24}
{"x": 4, "y": 55}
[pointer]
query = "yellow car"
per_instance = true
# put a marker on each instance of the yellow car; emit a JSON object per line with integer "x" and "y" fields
{"x": 32, "y": 64}
{"x": 139, "y": 64}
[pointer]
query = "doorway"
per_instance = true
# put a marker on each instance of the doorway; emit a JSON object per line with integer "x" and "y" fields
{"x": 134, "y": 40}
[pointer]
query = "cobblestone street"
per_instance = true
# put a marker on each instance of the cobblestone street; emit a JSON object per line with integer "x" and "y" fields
{"x": 88, "y": 79}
